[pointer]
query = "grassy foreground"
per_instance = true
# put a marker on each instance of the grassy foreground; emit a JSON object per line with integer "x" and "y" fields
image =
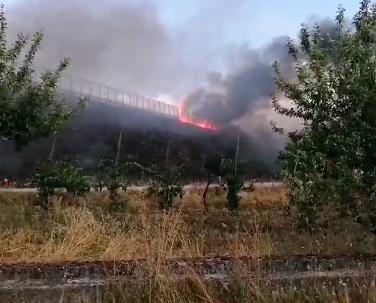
{"x": 193, "y": 290}
{"x": 85, "y": 229}
{"x": 196, "y": 291}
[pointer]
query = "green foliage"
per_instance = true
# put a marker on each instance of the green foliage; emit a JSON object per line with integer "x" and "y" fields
{"x": 46, "y": 182}
{"x": 61, "y": 175}
{"x": 71, "y": 178}
{"x": 113, "y": 176}
{"x": 234, "y": 184}
{"x": 166, "y": 184}
{"x": 331, "y": 160}
{"x": 233, "y": 174}
{"x": 29, "y": 109}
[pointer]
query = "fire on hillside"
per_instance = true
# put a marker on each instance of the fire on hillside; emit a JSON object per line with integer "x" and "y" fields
{"x": 191, "y": 119}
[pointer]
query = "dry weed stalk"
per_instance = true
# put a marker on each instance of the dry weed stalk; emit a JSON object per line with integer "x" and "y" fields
{"x": 78, "y": 232}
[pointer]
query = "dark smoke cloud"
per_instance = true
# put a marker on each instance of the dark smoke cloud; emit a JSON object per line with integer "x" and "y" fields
{"x": 244, "y": 88}
{"x": 241, "y": 95}
{"x": 126, "y": 45}
{"x": 122, "y": 44}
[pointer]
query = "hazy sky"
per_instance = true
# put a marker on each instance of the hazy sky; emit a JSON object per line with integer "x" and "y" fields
{"x": 157, "y": 47}
{"x": 253, "y": 14}
{"x": 250, "y": 15}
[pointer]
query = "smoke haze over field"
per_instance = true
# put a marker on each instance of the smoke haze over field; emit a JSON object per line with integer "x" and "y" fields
{"x": 127, "y": 46}
{"x": 123, "y": 44}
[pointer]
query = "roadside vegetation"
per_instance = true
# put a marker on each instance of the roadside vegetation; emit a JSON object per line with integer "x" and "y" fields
{"x": 326, "y": 207}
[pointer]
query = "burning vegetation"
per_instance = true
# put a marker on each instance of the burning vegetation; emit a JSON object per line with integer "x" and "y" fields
{"x": 186, "y": 117}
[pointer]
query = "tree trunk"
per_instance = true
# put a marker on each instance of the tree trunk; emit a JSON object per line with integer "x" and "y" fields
{"x": 206, "y": 192}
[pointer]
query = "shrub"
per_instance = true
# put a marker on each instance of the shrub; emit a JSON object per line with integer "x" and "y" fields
{"x": 61, "y": 175}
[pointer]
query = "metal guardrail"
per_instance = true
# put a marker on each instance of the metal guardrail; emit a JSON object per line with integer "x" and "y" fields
{"x": 112, "y": 95}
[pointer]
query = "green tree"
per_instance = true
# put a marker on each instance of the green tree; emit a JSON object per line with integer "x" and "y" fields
{"x": 29, "y": 109}
{"x": 63, "y": 175}
{"x": 332, "y": 158}
{"x": 233, "y": 173}
{"x": 166, "y": 184}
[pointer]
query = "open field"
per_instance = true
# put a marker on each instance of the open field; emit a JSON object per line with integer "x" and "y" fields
{"x": 83, "y": 229}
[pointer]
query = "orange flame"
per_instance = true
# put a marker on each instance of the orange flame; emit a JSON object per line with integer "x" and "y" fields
{"x": 189, "y": 119}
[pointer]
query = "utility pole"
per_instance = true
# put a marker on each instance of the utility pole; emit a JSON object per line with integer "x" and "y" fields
{"x": 118, "y": 147}
{"x": 237, "y": 155}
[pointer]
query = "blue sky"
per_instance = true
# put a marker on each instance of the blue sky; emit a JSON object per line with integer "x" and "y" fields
{"x": 271, "y": 17}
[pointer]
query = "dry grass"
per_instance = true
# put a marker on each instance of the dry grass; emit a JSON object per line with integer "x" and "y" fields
{"x": 194, "y": 290}
{"x": 82, "y": 229}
